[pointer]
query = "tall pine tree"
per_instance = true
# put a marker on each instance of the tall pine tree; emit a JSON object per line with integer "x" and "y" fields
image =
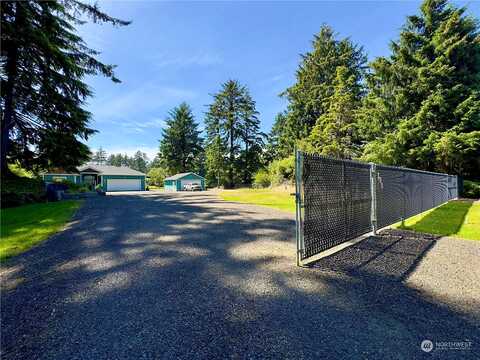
{"x": 42, "y": 93}
{"x": 233, "y": 137}
{"x": 253, "y": 141}
{"x": 181, "y": 145}
{"x": 335, "y": 132}
{"x": 309, "y": 98}
{"x": 423, "y": 110}
{"x": 140, "y": 161}
{"x": 215, "y": 149}
{"x": 277, "y": 144}
{"x": 100, "y": 157}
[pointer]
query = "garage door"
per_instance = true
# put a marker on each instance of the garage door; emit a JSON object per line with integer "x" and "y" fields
{"x": 186, "y": 182}
{"x": 124, "y": 184}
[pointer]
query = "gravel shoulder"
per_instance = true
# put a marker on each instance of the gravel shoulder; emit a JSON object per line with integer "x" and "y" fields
{"x": 159, "y": 275}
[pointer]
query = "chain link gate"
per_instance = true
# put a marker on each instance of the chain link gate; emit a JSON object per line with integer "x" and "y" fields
{"x": 340, "y": 200}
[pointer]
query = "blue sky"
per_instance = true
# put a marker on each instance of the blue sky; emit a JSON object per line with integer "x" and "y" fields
{"x": 183, "y": 51}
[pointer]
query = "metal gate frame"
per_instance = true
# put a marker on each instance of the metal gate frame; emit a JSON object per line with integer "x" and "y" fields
{"x": 451, "y": 184}
{"x": 299, "y": 207}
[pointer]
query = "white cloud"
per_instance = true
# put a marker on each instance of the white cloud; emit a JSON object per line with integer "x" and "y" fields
{"x": 277, "y": 78}
{"x": 152, "y": 124}
{"x": 122, "y": 111}
{"x": 147, "y": 98}
{"x": 199, "y": 59}
{"x": 140, "y": 127}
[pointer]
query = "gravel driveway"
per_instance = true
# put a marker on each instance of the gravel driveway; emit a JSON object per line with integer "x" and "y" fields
{"x": 167, "y": 276}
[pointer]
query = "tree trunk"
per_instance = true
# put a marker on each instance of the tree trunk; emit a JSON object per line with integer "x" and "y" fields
{"x": 9, "y": 111}
{"x": 219, "y": 163}
{"x": 245, "y": 170}
{"x": 232, "y": 159}
{"x": 231, "y": 114}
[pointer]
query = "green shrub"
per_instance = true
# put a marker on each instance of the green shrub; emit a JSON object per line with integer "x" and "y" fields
{"x": 72, "y": 187}
{"x": 282, "y": 171}
{"x": 471, "y": 189}
{"x": 76, "y": 188}
{"x": 156, "y": 176}
{"x": 261, "y": 179}
{"x": 18, "y": 191}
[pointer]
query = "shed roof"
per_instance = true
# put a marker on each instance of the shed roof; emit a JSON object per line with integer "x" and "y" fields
{"x": 110, "y": 170}
{"x": 182, "y": 175}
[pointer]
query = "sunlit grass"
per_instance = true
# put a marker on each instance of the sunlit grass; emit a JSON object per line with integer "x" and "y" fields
{"x": 25, "y": 226}
{"x": 460, "y": 218}
{"x": 277, "y": 199}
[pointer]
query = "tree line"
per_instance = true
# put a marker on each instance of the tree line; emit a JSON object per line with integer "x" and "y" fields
{"x": 139, "y": 161}
{"x": 231, "y": 151}
{"x": 417, "y": 107}
{"x": 155, "y": 168}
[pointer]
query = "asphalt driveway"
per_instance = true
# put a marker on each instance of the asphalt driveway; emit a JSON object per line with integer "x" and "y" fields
{"x": 167, "y": 276}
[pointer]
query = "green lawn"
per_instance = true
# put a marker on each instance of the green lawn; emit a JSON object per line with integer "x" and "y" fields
{"x": 25, "y": 226}
{"x": 460, "y": 218}
{"x": 277, "y": 199}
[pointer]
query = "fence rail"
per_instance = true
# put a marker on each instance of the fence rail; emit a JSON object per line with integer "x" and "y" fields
{"x": 339, "y": 200}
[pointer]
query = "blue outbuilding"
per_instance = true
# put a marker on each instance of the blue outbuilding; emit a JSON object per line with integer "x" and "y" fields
{"x": 180, "y": 182}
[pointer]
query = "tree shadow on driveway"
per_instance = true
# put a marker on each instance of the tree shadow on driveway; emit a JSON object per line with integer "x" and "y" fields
{"x": 190, "y": 276}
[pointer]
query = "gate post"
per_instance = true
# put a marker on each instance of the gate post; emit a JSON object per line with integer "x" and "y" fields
{"x": 298, "y": 204}
{"x": 373, "y": 190}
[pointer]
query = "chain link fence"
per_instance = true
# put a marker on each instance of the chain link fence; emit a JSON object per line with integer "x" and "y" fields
{"x": 339, "y": 200}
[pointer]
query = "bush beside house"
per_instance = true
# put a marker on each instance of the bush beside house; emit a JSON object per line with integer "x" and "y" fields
{"x": 74, "y": 188}
{"x": 22, "y": 187}
{"x": 18, "y": 191}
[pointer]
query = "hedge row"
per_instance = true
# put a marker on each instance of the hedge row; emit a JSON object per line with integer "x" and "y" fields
{"x": 18, "y": 191}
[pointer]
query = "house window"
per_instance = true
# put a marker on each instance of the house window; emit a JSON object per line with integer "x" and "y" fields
{"x": 59, "y": 178}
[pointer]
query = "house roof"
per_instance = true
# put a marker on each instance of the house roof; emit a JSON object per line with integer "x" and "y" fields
{"x": 60, "y": 171}
{"x": 110, "y": 170}
{"x": 181, "y": 175}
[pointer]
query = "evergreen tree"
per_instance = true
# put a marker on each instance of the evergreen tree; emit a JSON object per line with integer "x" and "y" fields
{"x": 232, "y": 129}
{"x": 335, "y": 133}
{"x": 215, "y": 151}
{"x": 277, "y": 144}
{"x": 140, "y": 161}
{"x": 42, "y": 93}
{"x": 253, "y": 141}
{"x": 309, "y": 97}
{"x": 115, "y": 160}
{"x": 181, "y": 144}
{"x": 156, "y": 163}
{"x": 423, "y": 110}
{"x": 125, "y": 160}
{"x": 100, "y": 157}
